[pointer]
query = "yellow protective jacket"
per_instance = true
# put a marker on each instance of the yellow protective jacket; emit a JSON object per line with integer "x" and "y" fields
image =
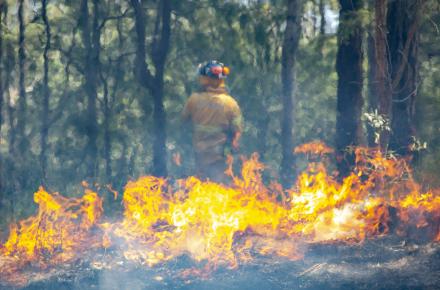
{"x": 216, "y": 117}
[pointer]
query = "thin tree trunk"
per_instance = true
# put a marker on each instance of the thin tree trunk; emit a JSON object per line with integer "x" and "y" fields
{"x": 96, "y": 49}
{"x": 382, "y": 78}
{"x": 9, "y": 64}
{"x": 22, "y": 102}
{"x": 131, "y": 166}
{"x": 350, "y": 82}
{"x": 372, "y": 90}
{"x": 46, "y": 95}
{"x": 155, "y": 83}
{"x": 322, "y": 23}
{"x": 403, "y": 40}
{"x": 107, "y": 138}
{"x": 121, "y": 173}
{"x": 90, "y": 87}
{"x": 142, "y": 71}
{"x": 314, "y": 17}
{"x": 108, "y": 103}
{"x": 288, "y": 63}
{"x": 2, "y": 7}
{"x": 159, "y": 115}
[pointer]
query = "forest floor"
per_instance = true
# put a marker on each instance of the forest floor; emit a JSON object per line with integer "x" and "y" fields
{"x": 382, "y": 263}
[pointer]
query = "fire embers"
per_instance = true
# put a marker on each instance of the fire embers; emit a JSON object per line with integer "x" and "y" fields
{"x": 217, "y": 224}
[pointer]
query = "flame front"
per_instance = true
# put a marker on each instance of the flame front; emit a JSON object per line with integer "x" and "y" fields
{"x": 230, "y": 224}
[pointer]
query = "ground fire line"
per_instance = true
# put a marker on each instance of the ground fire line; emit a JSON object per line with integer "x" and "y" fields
{"x": 228, "y": 226}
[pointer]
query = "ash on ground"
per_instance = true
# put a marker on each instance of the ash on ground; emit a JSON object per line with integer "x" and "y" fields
{"x": 384, "y": 263}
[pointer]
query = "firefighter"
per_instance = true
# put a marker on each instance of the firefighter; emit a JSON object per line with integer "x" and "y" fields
{"x": 216, "y": 122}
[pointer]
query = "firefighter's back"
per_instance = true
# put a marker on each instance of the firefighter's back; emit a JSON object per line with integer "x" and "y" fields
{"x": 211, "y": 116}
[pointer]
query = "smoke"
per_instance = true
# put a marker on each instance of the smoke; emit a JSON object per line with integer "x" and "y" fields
{"x": 118, "y": 280}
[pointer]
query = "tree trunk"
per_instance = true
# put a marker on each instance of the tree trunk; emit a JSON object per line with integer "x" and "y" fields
{"x": 155, "y": 83}
{"x": 107, "y": 138}
{"x": 90, "y": 87}
{"x": 288, "y": 62}
{"x": 159, "y": 55}
{"x": 2, "y": 7}
{"x": 382, "y": 73}
{"x": 9, "y": 66}
{"x": 403, "y": 40}
{"x": 322, "y": 23}
{"x": 22, "y": 101}
{"x": 372, "y": 90}
{"x": 46, "y": 95}
{"x": 350, "y": 81}
{"x": 108, "y": 105}
{"x": 159, "y": 115}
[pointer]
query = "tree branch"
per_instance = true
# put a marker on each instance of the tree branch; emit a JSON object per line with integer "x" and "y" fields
{"x": 113, "y": 17}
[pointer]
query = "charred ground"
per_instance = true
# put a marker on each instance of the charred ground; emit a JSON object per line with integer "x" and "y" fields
{"x": 382, "y": 263}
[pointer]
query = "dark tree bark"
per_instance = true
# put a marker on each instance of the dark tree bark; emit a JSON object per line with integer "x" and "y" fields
{"x": 403, "y": 41}
{"x": 2, "y": 5}
{"x": 155, "y": 83}
{"x": 22, "y": 101}
{"x": 382, "y": 74}
{"x": 2, "y": 8}
{"x": 121, "y": 168}
{"x": 46, "y": 94}
{"x": 9, "y": 65}
{"x": 372, "y": 94}
{"x": 288, "y": 63}
{"x": 108, "y": 100}
{"x": 107, "y": 137}
{"x": 91, "y": 45}
{"x": 322, "y": 23}
{"x": 372, "y": 91}
{"x": 159, "y": 115}
{"x": 350, "y": 81}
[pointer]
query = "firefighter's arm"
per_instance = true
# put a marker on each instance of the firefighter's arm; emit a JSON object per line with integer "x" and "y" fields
{"x": 236, "y": 126}
{"x": 235, "y": 140}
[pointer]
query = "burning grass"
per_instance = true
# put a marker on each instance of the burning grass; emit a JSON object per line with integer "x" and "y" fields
{"x": 215, "y": 224}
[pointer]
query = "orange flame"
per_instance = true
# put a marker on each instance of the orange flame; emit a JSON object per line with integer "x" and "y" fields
{"x": 227, "y": 224}
{"x": 57, "y": 230}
